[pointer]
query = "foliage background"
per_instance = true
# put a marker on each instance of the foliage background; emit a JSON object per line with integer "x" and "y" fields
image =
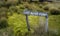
{"x": 13, "y": 22}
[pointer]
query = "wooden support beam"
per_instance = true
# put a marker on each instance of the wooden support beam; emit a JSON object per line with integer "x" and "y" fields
{"x": 28, "y": 26}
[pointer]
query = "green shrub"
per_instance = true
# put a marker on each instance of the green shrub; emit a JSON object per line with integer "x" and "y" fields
{"x": 3, "y": 9}
{"x": 12, "y": 9}
{"x": 12, "y": 2}
{"x": 40, "y": 6}
{"x": 59, "y": 8}
{"x": 7, "y": 31}
{"x": 3, "y": 12}
{"x": 3, "y": 23}
{"x": 54, "y": 11}
{"x": 53, "y": 33}
{"x": 46, "y": 8}
{"x": 2, "y": 3}
{"x": 44, "y": 3}
{"x": 18, "y": 23}
{"x": 59, "y": 32}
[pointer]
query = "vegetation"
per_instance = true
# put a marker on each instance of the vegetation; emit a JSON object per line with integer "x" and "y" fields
{"x": 13, "y": 21}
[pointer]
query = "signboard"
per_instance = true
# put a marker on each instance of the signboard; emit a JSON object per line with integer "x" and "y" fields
{"x": 36, "y": 13}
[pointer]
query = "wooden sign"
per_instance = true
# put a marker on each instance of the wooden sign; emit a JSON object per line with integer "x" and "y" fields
{"x": 36, "y": 14}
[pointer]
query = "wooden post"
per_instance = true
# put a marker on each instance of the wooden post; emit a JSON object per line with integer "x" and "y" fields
{"x": 46, "y": 25}
{"x": 28, "y": 26}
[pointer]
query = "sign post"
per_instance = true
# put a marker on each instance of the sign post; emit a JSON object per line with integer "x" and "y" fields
{"x": 46, "y": 25}
{"x": 28, "y": 26}
{"x": 36, "y": 14}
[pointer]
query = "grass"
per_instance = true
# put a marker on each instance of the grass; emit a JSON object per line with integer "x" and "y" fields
{"x": 54, "y": 21}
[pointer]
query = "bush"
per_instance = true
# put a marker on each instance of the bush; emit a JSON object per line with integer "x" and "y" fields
{"x": 54, "y": 11}
{"x": 3, "y": 12}
{"x": 12, "y": 9}
{"x": 2, "y": 3}
{"x": 12, "y": 2}
{"x": 3, "y": 9}
{"x": 46, "y": 8}
{"x": 20, "y": 29}
{"x": 7, "y": 31}
{"x": 53, "y": 33}
{"x": 59, "y": 32}
{"x": 44, "y": 3}
{"x": 40, "y": 6}
{"x": 59, "y": 8}
{"x": 3, "y": 23}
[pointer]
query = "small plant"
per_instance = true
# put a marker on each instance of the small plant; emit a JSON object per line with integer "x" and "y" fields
{"x": 53, "y": 33}
{"x": 46, "y": 8}
{"x": 40, "y": 6}
{"x": 44, "y": 3}
{"x": 3, "y": 23}
{"x": 59, "y": 8}
{"x": 54, "y": 11}
{"x": 13, "y": 9}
